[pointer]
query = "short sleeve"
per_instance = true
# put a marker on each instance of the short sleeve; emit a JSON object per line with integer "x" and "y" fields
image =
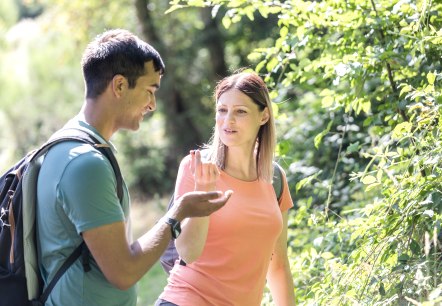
{"x": 185, "y": 181}
{"x": 285, "y": 202}
{"x": 87, "y": 191}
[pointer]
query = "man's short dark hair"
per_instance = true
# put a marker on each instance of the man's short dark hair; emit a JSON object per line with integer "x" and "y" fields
{"x": 116, "y": 52}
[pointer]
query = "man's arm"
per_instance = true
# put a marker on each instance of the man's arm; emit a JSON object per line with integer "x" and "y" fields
{"x": 123, "y": 264}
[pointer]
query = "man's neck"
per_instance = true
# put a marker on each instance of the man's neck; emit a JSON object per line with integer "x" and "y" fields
{"x": 95, "y": 116}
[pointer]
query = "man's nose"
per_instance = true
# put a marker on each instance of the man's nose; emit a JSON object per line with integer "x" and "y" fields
{"x": 153, "y": 103}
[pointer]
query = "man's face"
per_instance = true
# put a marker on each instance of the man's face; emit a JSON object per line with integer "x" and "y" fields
{"x": 140, "y": 100}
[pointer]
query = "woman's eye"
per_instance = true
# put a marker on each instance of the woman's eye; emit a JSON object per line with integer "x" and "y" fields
{"x": 241, "y": 111}
{"x": 222, "y": 110}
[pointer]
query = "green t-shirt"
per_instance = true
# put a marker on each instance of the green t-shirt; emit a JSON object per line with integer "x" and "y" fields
{"x": 76, "y": 191}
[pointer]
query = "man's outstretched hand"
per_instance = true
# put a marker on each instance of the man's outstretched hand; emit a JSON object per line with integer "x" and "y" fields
{"x": 198, "y": 204}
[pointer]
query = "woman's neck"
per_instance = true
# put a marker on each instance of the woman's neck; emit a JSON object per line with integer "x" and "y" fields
{"x": 241, "y": 164}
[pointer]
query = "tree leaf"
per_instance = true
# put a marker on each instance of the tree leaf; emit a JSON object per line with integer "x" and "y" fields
{"x": 318, "y": 138}
{"x": 401, "y": 129}
{"x": 431, "y": 77}
{"x": 327, "y": 255}
{"x": 368, "y": 179}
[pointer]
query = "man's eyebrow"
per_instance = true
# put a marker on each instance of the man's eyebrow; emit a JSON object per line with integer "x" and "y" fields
{"x": 156, "y": 85}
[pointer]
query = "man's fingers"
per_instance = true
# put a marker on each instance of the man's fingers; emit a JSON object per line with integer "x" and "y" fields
{"x": 206, "y": 196}
{"x": 223, "y": 198}
{"x": 199, "y": 204}
{"x": 209, "y": 196}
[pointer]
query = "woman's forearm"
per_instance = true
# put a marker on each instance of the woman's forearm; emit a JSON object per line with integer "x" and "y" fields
{"x": 190, "y": 243}
{"x": 280, "y": 283}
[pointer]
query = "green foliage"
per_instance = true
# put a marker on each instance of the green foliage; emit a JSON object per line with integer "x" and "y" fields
{"x": 358, "y": 87}
{"x": 142, "y": 157}
{"x": 357, "y": 92}
{"x": 151, "y": 285}
{"x": 28, "y": 90}
{"x": 8, "y": 14}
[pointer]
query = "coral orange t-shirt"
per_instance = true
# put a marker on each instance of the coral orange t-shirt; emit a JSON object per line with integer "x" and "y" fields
{"x": 233, "y": 265}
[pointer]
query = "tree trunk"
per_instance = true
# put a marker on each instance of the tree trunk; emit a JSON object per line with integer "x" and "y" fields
{"x": 181, "y": 130}
{"x": 214, "y": 41}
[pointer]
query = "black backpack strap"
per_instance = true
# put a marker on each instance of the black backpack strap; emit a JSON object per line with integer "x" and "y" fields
{"x": 277, "y": 180}
{"x": 106, "y": 151}
{"x": 69, "y": 261}
{"x": 77, "y": 134}
{"x": 74, "y": 134}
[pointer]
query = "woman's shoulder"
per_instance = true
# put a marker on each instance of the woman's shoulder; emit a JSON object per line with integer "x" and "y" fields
{"x": 186, "y": 162}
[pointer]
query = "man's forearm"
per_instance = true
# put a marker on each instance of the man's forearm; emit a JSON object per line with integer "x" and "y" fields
{"x": 149, "y": 247}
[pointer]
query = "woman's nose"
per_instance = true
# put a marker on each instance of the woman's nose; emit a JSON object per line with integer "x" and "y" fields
{"x": 230, "y": 117}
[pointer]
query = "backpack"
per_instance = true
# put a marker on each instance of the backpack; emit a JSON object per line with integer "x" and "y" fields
{"x": 170, "y": 255}
{"x": 20, "y": 280}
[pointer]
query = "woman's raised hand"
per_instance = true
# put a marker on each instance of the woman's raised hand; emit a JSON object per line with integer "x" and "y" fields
{"x": 204, "y": 173}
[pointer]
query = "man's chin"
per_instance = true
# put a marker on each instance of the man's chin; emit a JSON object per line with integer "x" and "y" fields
{"x": 131, "y": 128}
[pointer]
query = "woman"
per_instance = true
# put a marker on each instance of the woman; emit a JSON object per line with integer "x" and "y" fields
{"x": 229, "y": 254}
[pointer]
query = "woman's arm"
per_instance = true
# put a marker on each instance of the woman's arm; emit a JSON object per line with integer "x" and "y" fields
{"x": 190, "y": 243}
{"x": 279, "y": 276}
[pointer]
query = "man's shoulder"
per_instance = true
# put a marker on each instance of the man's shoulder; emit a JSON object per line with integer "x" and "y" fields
{"x": 69, "y": 150}
{"x": 73, "y": 157}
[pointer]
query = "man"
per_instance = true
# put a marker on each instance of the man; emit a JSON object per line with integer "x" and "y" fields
{"x": 76, "y": 186}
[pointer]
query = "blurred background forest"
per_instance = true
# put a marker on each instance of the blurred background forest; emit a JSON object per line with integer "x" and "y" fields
{"x": 357, "y": 92}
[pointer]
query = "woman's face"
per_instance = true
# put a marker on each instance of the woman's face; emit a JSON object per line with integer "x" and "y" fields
{"x": 238, "y": 119}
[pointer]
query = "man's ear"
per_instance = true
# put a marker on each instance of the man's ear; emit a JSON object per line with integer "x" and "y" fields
{"x": 119, "y": 85}
{"x": 265, "y": 116}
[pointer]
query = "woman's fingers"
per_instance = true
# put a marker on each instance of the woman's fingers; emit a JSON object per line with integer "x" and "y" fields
{"x": 197, "y": 159}
{"x": 209, "y": 172}
{"x": 192, "y": 161}
{"x": 205, "y": 173}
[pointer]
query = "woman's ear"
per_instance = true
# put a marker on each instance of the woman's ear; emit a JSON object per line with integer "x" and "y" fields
{"x": 265, "y": 116}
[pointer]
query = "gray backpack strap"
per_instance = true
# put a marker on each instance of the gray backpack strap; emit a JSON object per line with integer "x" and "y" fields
{"x": 277, "y": 180}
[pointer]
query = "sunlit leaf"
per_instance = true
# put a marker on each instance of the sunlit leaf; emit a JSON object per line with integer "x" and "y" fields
{"x": 306, "y": 181}
{"x": 401, "y": 129}
{"x": 327, "y": 255}
{"x": 431, "y": 77}
{"x": 318, "y": 138}
{"x": 272, "y": 64}
{"x": 405, "y": 89}
{"x": 226, "y": 22}
{"x": 368, "y": 179}
{"x": 283, "y": 32}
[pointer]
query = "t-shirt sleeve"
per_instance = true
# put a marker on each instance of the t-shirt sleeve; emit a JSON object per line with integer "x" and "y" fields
{"x": 285, "y": 202}
{"x": 185, "y": 181}
{"x": 87, "y": 190}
